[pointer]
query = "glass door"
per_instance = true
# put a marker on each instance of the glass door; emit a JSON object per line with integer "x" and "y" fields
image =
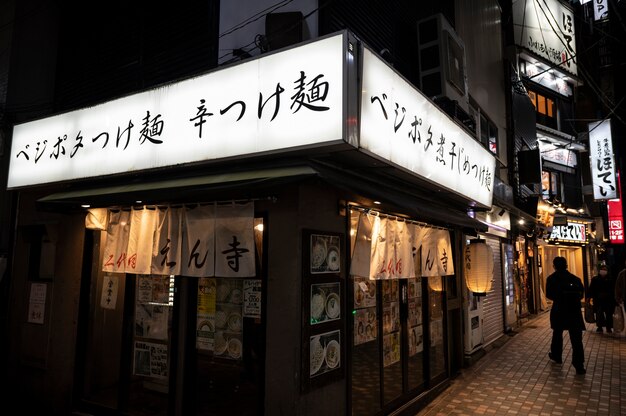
{"x": 125, "y": 358}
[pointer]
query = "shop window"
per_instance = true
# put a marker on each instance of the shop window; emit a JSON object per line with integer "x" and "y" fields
{"x": 545, "y": 108}
{"x": 138, "y": 325}
{"x": 550, "y": 185}
{"x": 399, "y": 325}
{"x": 488, "y": 134}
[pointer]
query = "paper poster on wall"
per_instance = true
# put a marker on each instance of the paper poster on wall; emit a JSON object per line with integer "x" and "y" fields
{"x": 229, "y": 319}
{"x": 205, "y": 326}
{"x": 416, "y": 340}
{"x": 391, "y": 349}
{"x": 252, "y": 298}
{"x": 108, "y": 299}
{"x": 37, "y": 303}
{"x": 150, "y": 360}
{"x": 365, "y": 325}
{"x": 152, "y": 307}
{"x": 364, "y": 293}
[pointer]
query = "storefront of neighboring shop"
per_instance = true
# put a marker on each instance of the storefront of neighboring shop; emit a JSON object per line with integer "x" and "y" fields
{"x": 225, "y": 245}
{"x": 490, "y": 315}
{"x": 568, "y": 238}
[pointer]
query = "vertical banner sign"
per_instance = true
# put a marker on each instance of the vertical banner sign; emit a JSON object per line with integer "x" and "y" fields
{"x": 601, "y": 159}
{"x": 616, "y": 217}
{"x": 600, "y": 9}
{"x": 616, "y": 221}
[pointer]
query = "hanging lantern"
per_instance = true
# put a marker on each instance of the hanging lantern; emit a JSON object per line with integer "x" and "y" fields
{"x": 435, "y": 283}
{"x": 478, "y": 267}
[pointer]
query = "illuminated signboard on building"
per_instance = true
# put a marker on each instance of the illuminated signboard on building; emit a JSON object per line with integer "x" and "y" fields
{"x": 616, "y": 217}
{"x": 573, "y": 232}
{"x": 287, "y": 100}
{"x": 399, "y": 124}
{"x": 616, "y": 221}
{"x": 546, "y": 28}
{"x": 601, "y": 160}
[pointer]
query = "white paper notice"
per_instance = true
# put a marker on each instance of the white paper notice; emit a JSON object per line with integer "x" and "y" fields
{"x": 37, "y": 303}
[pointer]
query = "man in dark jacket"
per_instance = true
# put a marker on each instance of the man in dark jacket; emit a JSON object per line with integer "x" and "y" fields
{"x": 566, "y": 291}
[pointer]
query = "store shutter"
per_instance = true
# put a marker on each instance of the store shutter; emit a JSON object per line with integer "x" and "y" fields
{"x": 493, "y": 315}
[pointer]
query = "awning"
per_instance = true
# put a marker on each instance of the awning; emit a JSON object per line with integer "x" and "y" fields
{"x": 414, "y": 201}
{"x": 419, "y": 203}
{"x": 197, "y": 188}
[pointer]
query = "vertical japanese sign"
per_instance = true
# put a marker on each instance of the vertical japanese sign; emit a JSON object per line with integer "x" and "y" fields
{"x": 616, "y": 216}
{"x": 601, "y": 159}
{"x": 108, "y": 299}
{"x": 616, "y": 221}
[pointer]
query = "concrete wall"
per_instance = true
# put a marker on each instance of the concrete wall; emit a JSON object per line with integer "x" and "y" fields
{"x": 313, "y": 207}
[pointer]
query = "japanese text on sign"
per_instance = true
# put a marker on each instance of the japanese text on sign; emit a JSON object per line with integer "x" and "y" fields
{"x": 257, "y": 106}
{"x": 400, "y": 125}
{"x": 601, "y": 159}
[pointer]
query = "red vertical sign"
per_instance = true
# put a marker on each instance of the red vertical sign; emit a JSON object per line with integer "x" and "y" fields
{"x": 616, "y": 219}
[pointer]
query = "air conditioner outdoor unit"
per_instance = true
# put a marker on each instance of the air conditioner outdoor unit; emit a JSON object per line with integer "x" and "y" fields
{"x": 442, "y": 61}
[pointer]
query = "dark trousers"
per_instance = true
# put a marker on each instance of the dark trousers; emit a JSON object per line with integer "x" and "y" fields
{"x": 604, "y": 315}
{"x": 576, "y": 339}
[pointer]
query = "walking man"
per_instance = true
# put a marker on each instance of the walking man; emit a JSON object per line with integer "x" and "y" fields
{"x": 566, "y": 290}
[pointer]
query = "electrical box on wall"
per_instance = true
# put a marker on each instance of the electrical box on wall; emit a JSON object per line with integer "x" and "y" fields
{"x": 442, "y": 61}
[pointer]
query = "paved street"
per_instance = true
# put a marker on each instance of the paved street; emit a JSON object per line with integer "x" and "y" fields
{"x": 517, "y": 378}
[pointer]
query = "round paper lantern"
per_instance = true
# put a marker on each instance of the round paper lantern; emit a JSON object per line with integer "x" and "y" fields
{"x": 478, "y": 267}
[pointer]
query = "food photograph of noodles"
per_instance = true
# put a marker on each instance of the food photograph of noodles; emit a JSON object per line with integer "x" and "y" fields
{"x": 325, "y": 353}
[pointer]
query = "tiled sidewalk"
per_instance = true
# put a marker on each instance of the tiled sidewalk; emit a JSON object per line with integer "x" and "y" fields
{"x": 519, "y": 379}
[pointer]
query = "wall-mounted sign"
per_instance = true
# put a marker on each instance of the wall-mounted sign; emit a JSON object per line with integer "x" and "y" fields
{"x": 573, "y": 232}
{"x": 545, "y": 213}
{"x": 549, "y": 79}
{"x": 555, "y": 153}
{"x": 546, "y": 28}
{"x": 616, "y": 221}
{"x": 399, "y": 124}
{"x": 601, "y": 159}
{"x": 600, "y": 9}
{"x": 286, "y": 100}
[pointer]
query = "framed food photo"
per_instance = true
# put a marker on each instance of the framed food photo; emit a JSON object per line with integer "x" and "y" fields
{"x": 325, "y": 302}
{"x": 323, "y": 253}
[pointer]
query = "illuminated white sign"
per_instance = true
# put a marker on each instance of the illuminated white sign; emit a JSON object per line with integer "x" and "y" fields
{"x": 548, "y": 79}
{"x": 600, "y": 9}
{"x": 287, "y": 100}
{"x": 546, "y": 28}
{"x": 573, "y": 232}
{"x": 601, "y": 159}
{"x": 400, "y": 125}
{"x": 555, "y": 153}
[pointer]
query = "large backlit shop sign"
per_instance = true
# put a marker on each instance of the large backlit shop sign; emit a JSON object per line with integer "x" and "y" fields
{"x": 286, "y": 100}
{"x": 546, "y": 28}
{"x": 399, "y": 124}
{"x": 573, "y": 232}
